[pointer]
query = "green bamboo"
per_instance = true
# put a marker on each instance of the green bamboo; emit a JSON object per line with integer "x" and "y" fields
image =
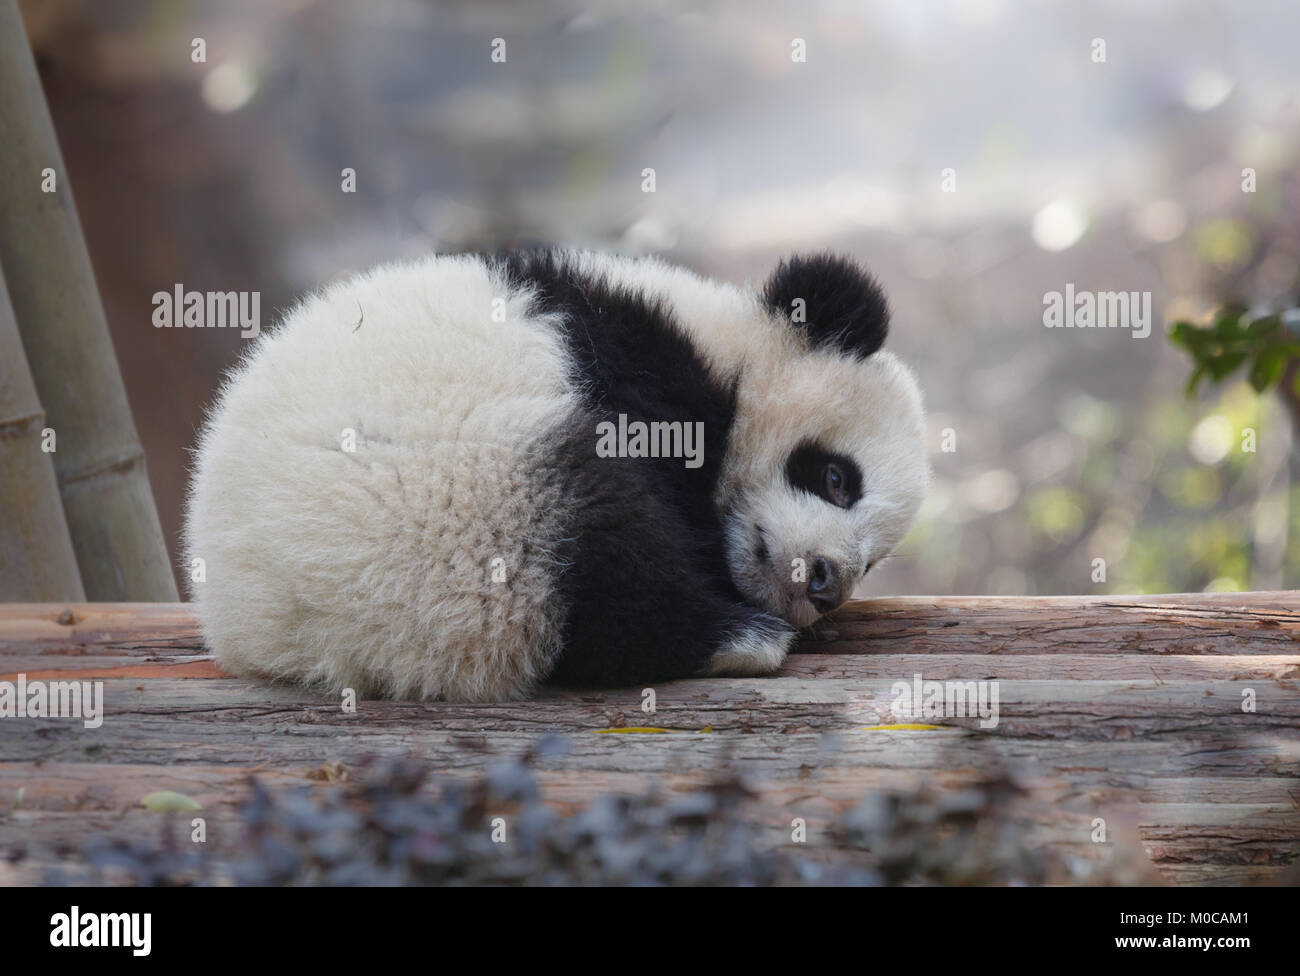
{"x": 99, "y": 462}
{"x": 37, "y": 563}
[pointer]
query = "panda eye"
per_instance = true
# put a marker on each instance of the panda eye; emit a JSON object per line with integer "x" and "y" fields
{"x": 834, "y": 478}
{"x": 833, "y": 484}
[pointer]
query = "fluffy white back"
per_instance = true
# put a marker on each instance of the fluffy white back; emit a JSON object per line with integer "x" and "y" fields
{"x": 374, "y": 569}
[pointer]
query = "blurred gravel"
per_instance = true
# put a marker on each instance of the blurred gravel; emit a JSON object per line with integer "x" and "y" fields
{"x": 384, "y": 827}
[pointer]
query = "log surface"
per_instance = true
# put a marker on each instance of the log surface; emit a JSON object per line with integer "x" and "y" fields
{"x": 1125, "y": 709}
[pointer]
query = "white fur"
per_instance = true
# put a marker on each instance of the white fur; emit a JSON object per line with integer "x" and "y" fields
{"x": 751, "y": 654}
{"x": 374, "y": 570}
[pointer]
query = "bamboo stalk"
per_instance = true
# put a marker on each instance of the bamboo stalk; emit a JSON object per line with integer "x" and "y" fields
{"x": 36, "y": 557}
{"x": 100, "y": 466}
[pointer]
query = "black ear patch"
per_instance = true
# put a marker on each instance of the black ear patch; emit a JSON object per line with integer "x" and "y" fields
{"x": 833, "y": 300}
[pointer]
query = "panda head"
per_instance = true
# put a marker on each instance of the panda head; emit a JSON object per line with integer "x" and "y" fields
{"x": 826, "y": 465}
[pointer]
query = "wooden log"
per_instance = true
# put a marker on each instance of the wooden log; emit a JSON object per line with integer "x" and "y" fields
{"x": 149, "y": 659}
{"x": 99, "y": 463}
{"x": 1073, "y": 710}
{"x": 36, "y": 557}
{"x": 1190, "y": 623}
{"x": 149, "y": 722}
{"x": 112, "y": 627}
{"x": 1155, "y": 740}
{"x": 1177, "y": 624}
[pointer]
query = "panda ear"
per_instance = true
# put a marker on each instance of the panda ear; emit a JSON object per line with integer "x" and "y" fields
{"x": 833, "y": 300}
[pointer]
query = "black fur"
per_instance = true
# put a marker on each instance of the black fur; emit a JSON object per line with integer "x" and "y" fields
{"x": 804, "y": 467}
{"x": 649, "y": 594}
{"x": 649, "y": 597}
{"x": 844, "y": 306}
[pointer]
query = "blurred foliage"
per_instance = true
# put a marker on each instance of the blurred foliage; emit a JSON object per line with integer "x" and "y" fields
{"x": 1171, "y": 499}
{"x": 388, "y": 826}
{"x": 1268, "y": 343}
{"x": 1149, "y": 520}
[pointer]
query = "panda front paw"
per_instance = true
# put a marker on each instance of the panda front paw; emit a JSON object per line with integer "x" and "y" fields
{"x": 758, "y": 647}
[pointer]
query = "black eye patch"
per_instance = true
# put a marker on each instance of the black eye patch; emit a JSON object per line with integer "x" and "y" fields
{"x": 806, "y": 470}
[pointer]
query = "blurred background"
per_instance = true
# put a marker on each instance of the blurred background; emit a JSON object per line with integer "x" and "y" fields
{"x": 1065, "y": 446}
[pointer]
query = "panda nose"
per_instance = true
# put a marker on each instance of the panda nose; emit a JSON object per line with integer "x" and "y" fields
{"x": 824, "y": 585}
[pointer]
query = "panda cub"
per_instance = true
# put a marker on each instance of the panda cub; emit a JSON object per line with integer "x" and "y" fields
{"x": 460, "y": 477}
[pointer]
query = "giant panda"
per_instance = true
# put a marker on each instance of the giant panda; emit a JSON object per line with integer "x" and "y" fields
{"x": 409, "y": 488}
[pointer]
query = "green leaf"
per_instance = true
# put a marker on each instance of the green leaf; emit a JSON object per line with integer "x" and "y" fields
{"x": 1219, "y": 349}
{"x": 1183, "y": 334}
{"x": 1221, "y": 366}
{"x": 1266, "y": 371}
{"x": 1267, "y": 325}
{"x": 1228, "y": 325}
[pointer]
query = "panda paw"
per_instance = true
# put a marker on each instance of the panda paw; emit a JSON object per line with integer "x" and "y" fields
{"x": 759, "y": 647}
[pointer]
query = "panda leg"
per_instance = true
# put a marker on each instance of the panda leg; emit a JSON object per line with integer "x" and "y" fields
{"x": 661, "y": 622}
{"x": 760, "y": 648}
{"x": 643, "y": 602}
